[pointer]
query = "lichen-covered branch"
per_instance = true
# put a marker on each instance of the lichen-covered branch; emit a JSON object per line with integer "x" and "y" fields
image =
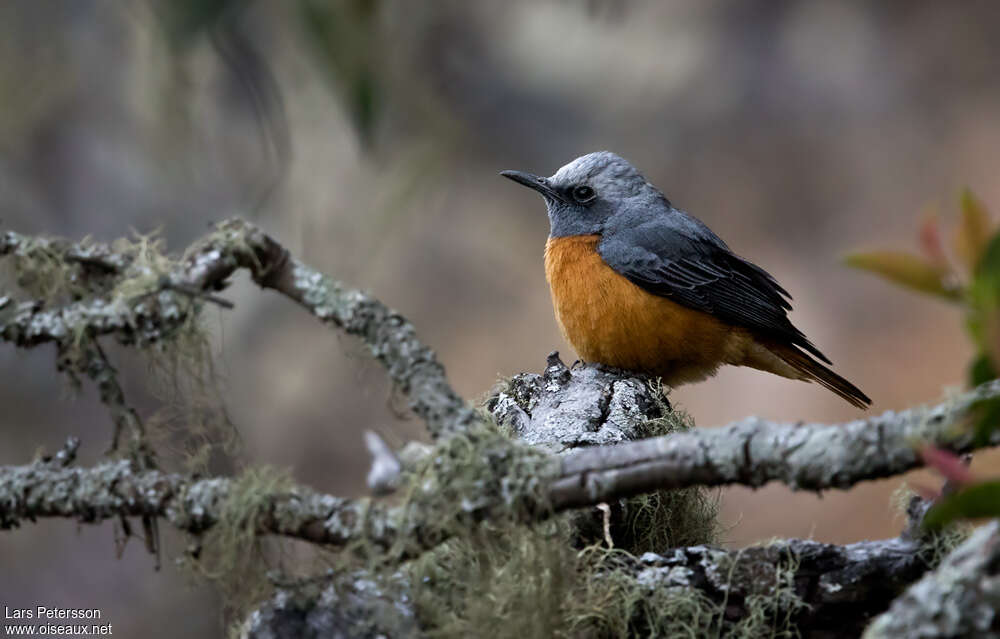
{"x": 754, "y": 451}
{"x": 444, "y": 501}
{"x": 961, "y": 598}
{"x": 390, "y": 338}
{"x": 87, "y": 259}
{"x": 358, "y": 604}
{"x": 786, "y": 588}
{"x": 569, "y": 411}
{"x": 482, "y": 475}
{"x": 163, "y": 295}
{"x": 822, "y": 590}
{"x": 90, "y": 358}
{"x": 116, "y": 489}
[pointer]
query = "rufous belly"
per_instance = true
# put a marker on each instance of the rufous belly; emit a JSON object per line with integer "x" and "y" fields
{"x": 610, "y": 320}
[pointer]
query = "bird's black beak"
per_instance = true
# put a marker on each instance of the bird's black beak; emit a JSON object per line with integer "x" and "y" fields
{"x": 535, "y": 182}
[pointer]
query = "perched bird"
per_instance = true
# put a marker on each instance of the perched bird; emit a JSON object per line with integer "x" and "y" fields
{"x": 640, "y": 285}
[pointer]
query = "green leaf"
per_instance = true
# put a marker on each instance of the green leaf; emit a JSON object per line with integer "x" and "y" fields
{"x": 977, "y": 500}
{"x": 906, "y": 269}
{"x": 986, "y": 416}
{"x": 973, "y": 234}
{"x": 989, "y": 262}
{"x": 981, "y": 370}
{"x": 983, "y": 296}
{"x": 185, "y": 20}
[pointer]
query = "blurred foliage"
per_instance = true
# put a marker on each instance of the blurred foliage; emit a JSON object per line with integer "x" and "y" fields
{"x": 187, "y": 23}
{"x": 964, "y": 495}
{"x": 932, "y": 270}
{"x": 343, "y": 34}
{"x": 185, "y": 20}
{"x": 974, "y": 501}
{"x": 908, "y": 270}
{"x": 968, "y": 276}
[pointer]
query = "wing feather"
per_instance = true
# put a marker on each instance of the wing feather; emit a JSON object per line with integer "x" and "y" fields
{"x": 679, "y": 258}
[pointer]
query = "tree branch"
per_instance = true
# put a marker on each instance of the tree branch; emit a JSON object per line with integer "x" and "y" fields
{"x": 820, "y": 590}
{"x": 166, "y": 304}
{"x": 961, "y": 598}
{"x": 807, "y": 456}
{"x": 116, "y": 489}
{"x": 826, "y": 590}
{"x": 753, "y": 452}
{"x": 123, "y": 489}
{"x": 568, "y": 411}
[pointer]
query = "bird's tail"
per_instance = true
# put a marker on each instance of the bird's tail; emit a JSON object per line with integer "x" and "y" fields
{"x": 812, "y": 370}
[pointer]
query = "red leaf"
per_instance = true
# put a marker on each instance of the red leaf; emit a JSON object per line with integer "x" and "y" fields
{"x": 948, "y": 464}
{"x": 930, "y": 241}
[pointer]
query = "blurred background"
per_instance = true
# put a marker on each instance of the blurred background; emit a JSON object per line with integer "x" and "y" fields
{"x": 367, "y": 136}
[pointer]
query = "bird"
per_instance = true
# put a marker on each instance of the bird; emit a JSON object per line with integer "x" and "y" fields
{"x": 640, "y": 285}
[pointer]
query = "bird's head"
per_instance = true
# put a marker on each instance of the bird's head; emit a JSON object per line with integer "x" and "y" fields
{"x": 583, "y": 196}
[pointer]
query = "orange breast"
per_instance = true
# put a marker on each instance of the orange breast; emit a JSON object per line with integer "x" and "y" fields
{"x": 610, "y": 320}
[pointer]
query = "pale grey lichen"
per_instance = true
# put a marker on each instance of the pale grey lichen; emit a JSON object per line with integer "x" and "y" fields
{"x": 961, "y": 598}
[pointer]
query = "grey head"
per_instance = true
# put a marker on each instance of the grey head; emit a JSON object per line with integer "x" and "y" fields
{"x": 593, "y": 191}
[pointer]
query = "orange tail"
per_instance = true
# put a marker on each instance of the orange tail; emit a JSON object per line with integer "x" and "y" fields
{"x": 814, "y": 371}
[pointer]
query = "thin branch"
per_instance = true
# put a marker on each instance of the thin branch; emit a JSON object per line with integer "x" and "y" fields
{"x": 117, "y": 489}
{"x": 594, "y": 418}
{"x": 66, "y": 455}
{"x": 91, "y": 359}
{"x": 390, "y": 337}
{"x": 205, "y": 268}
{"x": 87, "y": 254}
{"x": 754, "y": 451}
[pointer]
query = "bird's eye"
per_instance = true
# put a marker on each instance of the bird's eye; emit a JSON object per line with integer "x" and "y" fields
{"x": 583, "y": 194}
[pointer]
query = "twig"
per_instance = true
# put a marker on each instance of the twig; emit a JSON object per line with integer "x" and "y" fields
{"x": 66, "y": 455}
{"x": 91, "y": 359}
{"x": 384, "y": 474}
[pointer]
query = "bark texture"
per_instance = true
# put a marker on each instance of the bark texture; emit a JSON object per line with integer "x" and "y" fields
{"x": 961, "y": 598}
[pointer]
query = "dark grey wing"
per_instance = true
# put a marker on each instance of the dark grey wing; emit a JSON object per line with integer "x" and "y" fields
{"x": 678, "y": 257}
